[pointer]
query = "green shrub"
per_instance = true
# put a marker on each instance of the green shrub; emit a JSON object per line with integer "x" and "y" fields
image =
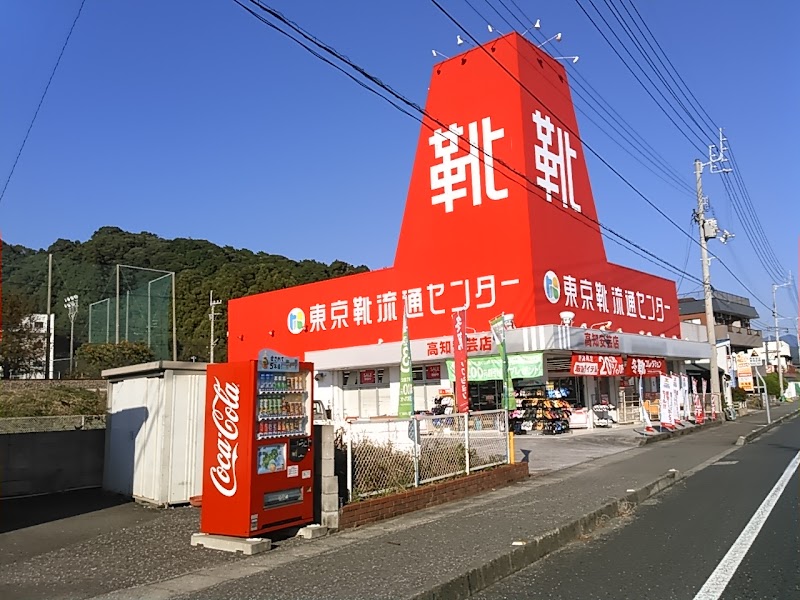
{"x": 92, "y": 359}
{"x": 738, "y": 395}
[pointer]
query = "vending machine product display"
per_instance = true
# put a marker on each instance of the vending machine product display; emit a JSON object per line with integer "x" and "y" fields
{"x": 257, "y": 459}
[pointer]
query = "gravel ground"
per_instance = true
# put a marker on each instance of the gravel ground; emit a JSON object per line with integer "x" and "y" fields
{"x": 145, "y": 552}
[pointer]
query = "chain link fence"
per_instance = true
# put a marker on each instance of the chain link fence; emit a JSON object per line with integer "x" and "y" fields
{"x": 390, "y": 455}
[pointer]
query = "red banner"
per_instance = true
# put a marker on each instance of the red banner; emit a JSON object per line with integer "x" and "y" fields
{"x": 599, "y": 365}
{"x": 460, "y": 359}
{"x": 645, "y": 367}
{"x": 366, "y": 377}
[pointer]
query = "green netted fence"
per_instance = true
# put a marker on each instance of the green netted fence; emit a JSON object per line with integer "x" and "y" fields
{"x": 141, "y": 313}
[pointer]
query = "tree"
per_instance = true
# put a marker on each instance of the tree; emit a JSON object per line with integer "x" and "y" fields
{"x": 774, "y": 386}
{"x": 89, "y": 270}
{"x": 92, "y": 359}
{"x": 22, "y": 341}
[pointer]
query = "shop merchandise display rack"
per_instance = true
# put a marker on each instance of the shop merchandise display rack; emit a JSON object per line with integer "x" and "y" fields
{"x": 536, "y": 412}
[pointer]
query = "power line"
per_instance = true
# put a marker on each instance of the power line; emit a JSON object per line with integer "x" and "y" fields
{"x": 629, "y": 32}
{"x": 599, "y": 157}
{"x": 669, "y": 62}
{"x": 41, "y": 101}
{"x": 753, "y": 214}
{"x": 755, "y": 240}
{"x": 737, "y": 192}
{"x": 631, "y": 136}
{"x": 606, "y": 105}
{"x": 330, "y": 50}
{"x": 638, "y": 79}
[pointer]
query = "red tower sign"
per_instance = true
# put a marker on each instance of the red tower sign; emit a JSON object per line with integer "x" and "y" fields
{"x": 500, "y": 183}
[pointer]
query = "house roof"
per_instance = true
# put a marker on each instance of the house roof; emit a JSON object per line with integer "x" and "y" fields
{"x": 723, "y": 305}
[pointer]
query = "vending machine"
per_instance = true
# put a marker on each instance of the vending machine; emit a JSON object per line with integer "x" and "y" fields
{"x": 257, "y": 458}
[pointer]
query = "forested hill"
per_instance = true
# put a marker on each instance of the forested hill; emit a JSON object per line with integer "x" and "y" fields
{"x": 88, "y": 269}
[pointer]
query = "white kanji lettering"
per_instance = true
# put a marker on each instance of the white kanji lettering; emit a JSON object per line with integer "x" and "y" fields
{"x": 439, "y": 288}
{"x": 554, "y": 163}
{"x": 339, "y": 312}
{"x": 570, "y": 291}
{"x": 616, "y": 296}
{"x": 361, "y": 310}
{"x": 489, "y": 137}
{"x": 485, "y": 283}
{"x": 450, "y": 175}
{"x": 587, "y": 295}
{"x": 316, "y": 317}
{"x": 387, "y": 307}
{"x": 460, "y": 282}
{"x": 601, "y": 295}
{"x": 451, "y": 172}
{"x": 630, "y": 303}
{"x": 506, "y": 282}
{"x": 413, "y": 302}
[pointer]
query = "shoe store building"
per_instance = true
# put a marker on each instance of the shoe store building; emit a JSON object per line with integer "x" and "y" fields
{"x": 499, "y": 218}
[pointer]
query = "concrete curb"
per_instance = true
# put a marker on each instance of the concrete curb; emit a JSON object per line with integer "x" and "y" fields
{"x": 745, "y": 439}
{"x": 666, "y": 435}
{"x": 521, "y": 556}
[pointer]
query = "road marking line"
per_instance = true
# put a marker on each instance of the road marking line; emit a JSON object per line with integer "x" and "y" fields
{"x": 716, "y": 584}
{"x": 723, "y": 463}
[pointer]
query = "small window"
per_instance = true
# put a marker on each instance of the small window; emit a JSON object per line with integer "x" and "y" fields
{"x": 417, "y": 374}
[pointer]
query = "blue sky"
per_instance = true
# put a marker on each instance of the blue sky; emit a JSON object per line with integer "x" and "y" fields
{"x": 192, "y": 119}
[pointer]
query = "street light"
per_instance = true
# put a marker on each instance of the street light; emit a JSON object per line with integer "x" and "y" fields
{"x": 71, "y": 304}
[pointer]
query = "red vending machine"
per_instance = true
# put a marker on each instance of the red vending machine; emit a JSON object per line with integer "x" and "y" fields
{"x": 257, "y": 458}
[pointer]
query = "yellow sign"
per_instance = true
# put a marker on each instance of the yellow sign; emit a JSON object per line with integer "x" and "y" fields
{"x": 744, "y": 372}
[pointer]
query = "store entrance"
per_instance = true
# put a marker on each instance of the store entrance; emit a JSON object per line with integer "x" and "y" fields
{"x": 485, "y": 395}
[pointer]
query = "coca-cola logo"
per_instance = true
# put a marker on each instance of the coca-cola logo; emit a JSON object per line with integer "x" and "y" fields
{"x": 225, "y": 415}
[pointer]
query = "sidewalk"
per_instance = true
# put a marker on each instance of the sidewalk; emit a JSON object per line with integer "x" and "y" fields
{"x": 407, "y": 556}
{"x": 401, "y": 558}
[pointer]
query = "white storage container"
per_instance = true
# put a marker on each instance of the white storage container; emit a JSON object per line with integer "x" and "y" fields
{"x": 154, "y": 431}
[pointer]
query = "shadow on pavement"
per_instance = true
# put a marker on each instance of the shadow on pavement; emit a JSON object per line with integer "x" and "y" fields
{"x": 18, "y": 513}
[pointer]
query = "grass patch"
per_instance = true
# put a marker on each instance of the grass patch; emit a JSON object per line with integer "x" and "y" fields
{"x": 53, "y": 400}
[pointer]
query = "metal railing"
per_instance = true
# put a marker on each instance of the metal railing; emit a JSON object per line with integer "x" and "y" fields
{"x": 389, "y": 455}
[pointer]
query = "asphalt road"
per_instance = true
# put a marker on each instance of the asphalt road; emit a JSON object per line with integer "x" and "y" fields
{"x": 670, "y": 547}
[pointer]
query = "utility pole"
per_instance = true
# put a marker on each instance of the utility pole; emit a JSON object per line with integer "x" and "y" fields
{"x": 778, "y": 366}
{"x": 765, "y": 395}
{"x": 48, "y": 331}
{"x": 116, "y": 305}
{"x": 213, "y": 304}
{"x": 708, "y": 231}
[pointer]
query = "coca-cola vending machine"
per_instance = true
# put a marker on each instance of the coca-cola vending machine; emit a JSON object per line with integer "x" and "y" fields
{"x": 257, "y": 458}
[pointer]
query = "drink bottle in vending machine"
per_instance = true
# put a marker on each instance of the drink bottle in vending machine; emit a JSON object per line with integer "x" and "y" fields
{"x": 257, "y": 459}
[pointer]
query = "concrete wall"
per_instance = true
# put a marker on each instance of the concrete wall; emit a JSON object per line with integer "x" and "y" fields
{"x": 50, "y": 461}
